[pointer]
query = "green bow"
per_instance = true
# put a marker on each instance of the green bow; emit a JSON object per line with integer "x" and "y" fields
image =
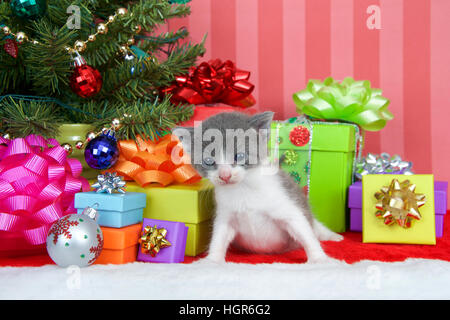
{"x": 350, "y": 100}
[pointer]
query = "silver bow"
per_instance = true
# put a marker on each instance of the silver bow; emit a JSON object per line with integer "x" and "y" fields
{"x": 109, "y": 182}
{"x": 382, "y": 164}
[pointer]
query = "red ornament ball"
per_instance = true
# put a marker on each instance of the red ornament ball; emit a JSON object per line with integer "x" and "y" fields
{"x": 299, "y": 136}
{"x": 86, "y": 81}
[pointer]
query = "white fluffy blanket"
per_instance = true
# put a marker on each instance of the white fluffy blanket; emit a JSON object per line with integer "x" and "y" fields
{"x": 412, "y": 279}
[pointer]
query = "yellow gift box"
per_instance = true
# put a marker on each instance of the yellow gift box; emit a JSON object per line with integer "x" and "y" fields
{"x": 374, "y": 229}
{"x": 192, "y": 204}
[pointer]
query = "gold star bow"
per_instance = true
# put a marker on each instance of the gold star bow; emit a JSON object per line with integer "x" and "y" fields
{"x": 399, "y": 203}
{"x": 153, "y": 240}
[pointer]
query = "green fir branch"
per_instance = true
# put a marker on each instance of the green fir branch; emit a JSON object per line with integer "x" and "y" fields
{"x": 22, "y": 118}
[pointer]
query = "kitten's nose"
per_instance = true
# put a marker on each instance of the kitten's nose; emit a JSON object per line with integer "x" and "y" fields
{"x": 225, "y": 174}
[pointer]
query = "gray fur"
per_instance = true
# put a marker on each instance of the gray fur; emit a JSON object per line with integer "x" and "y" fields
{"x": 235, "y": 120}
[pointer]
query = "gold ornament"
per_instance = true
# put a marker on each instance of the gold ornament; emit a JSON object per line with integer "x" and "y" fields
{"x": 122, "y": 11}
{"x": 7, "y": 136}
{"x": 111, "y": 19}
{"x": 131, "y": 41}
{"x": 123, "y": 49}
{"x": 68, "y": 148}
{"x": 21, "y": 37}
{"x": 90, "y": 135}
{"x": 102, "y": 28}
{"x": 399, "y": 203}
{"x": 6, "y": 30}
{"x": 137, "y": 28}
{"x": 80, "y": 46}
{"x": 116, "y": 123}
{"x": 153, "y": 240}
{"x": 92, "y": 38}
{"x": 79, "y": 145}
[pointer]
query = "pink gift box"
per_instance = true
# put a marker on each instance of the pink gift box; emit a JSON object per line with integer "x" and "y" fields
{"x": 176, "y": 235}
{"x": 355, "y": 205}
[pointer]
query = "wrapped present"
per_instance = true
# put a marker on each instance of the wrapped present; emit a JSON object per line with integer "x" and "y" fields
{"x": 320, "y": 148}
{"x": 213, "y": 82}
{"x": 323, "y": 166}
{"x": 191, "y": 204}
{"x": 162, "y": 241}
{"x": 355, "y": 205}
{"x": 116, "y": 210}
{"x": 203, "y": 112}
{"x": 120, "y": 246}
{"x": 398, "y": 209}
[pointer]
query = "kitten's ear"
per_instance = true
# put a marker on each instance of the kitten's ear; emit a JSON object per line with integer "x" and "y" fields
{"x": 262, "y": 120}
{"x": 186, "y": 136}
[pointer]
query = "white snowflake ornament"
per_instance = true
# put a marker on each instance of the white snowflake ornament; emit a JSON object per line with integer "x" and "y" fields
{"x": 75, "y": 239}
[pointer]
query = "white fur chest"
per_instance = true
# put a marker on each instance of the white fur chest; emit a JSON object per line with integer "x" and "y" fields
{"x": 245, "y": 206}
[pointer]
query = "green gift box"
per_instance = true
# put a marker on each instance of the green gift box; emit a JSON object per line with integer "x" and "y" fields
{"x": 327, "y": 162}
{"x": 320, "y": 148}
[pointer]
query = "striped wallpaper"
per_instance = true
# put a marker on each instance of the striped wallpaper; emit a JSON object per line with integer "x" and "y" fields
{"x": 286, "y": 42}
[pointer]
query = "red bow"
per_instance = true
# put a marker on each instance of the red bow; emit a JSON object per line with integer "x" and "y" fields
{"x": 213, "y": 82}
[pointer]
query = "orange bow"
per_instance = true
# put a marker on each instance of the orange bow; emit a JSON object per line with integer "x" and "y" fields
{"x": 160, "y": 162}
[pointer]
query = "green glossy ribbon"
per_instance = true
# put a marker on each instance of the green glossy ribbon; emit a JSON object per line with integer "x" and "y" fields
{"x": 349, "y": 100}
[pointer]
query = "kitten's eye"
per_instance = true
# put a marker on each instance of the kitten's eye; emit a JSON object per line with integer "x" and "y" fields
{"x": 209, "y": 162}
{"x": 240, "y": 158}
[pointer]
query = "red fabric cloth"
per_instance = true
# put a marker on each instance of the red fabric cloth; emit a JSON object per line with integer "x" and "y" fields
{"x": 351, "y": 249}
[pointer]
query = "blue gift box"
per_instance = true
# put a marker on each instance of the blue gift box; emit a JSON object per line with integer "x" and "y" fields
{"x": 115, "y": 210}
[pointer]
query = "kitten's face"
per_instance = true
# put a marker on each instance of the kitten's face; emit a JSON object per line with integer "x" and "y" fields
{"x": 227, "y": 146}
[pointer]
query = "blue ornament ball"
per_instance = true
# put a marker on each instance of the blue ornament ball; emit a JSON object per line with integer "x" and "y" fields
{"x": 102, "y": 152}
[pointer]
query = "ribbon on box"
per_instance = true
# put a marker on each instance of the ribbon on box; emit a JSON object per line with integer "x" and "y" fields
{"x": 37, "y": 187}
{"x": 382, "y": 164}
{"x": 213, "y": 82}
{"x": 399, "y": 203}
{"x": 153, "y": 240}
{"x": 152, "y": 162}
{"x": 349, "y": 100}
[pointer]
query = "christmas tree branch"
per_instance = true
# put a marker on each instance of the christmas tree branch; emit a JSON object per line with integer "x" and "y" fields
{"x": 21, "y": 118}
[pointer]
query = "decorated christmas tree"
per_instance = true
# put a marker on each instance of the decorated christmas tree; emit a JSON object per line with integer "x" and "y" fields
{"x": 94, "y": 62}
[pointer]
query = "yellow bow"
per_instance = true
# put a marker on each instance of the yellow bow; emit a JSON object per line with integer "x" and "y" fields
{"x": 153, "y": 240}
{"x": 399, "y": 203}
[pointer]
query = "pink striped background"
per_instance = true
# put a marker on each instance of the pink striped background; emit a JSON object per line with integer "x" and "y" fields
{"x": 286, "y": 42}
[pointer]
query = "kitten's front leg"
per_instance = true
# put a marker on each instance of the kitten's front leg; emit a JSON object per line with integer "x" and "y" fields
{"x": 297, "y": 225}
{"x": 223, "y": 234}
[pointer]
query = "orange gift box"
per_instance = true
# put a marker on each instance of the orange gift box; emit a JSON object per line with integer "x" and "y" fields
{"x": 121, "y": 245}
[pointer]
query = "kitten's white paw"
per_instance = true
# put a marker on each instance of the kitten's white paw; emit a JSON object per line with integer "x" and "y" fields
{"x": 210, "y": 261}
{"x": 323, "y": 259}
{"x": 333, "y": 237}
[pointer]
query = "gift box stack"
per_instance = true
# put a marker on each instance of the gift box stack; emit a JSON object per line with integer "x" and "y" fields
{"x": 174, "y": 192}
{"x": 120, "y": 219}
{"x": 373, "y": 169}
{"x": 319, "y": 148}
{"x": 322, "y": 151}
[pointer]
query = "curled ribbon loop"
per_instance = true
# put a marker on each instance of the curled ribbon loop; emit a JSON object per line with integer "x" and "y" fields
{"x": 213, "y": 82}
{"x": 399, "y": 203}
{"x": 37, "y": 187}
{"x": 382, "y": 164}
{"x": 349, "y": 100}
{"x": 153, "y": 240}
{"x": 153, "y": 162}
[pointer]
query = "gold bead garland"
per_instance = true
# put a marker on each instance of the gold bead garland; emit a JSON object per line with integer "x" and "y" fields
{"x": 80, "y": 45}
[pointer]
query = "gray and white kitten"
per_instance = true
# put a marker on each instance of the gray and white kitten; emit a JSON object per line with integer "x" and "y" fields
{"x": 256, "y": 210}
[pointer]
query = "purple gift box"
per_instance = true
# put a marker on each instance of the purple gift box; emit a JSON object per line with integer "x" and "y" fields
{"x": 355, "y": 205}
{"x": 176, "y": 235}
